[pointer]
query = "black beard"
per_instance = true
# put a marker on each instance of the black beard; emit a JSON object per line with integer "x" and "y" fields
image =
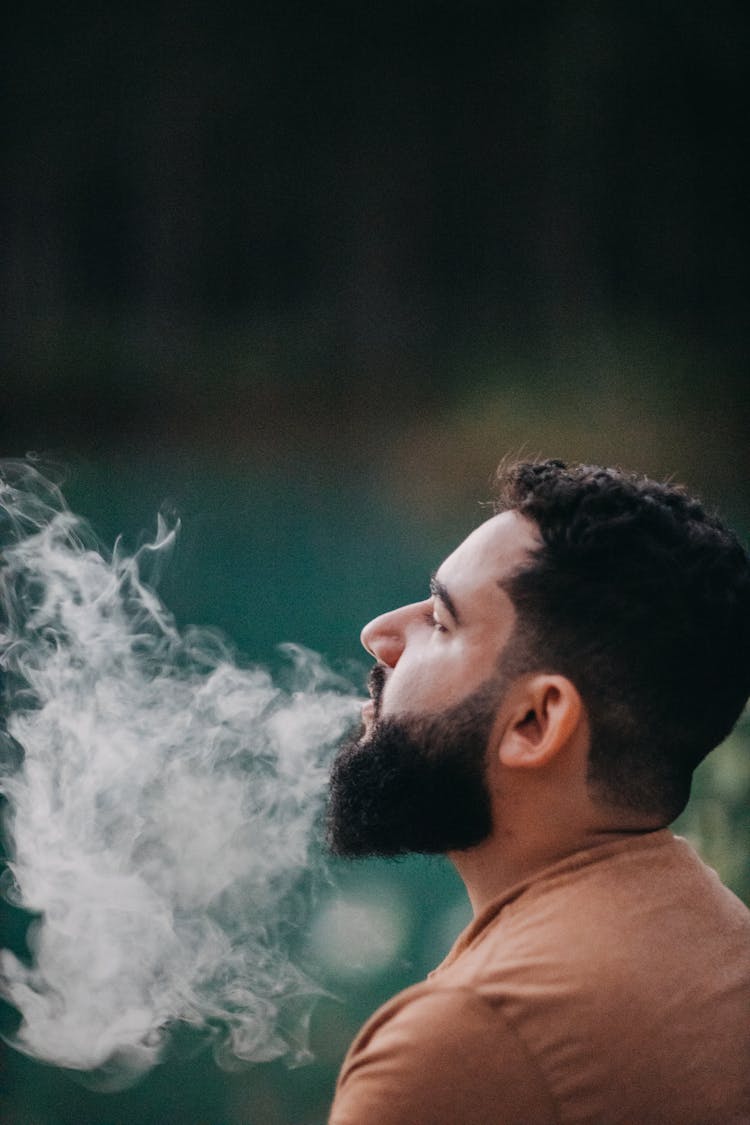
{"x": 415, "y": 784}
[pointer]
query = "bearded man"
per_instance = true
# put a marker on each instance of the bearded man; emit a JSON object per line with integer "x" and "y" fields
{"x": 538, "y": 718}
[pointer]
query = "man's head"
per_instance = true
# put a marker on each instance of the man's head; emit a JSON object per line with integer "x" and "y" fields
{"x": 596, "y": 605}
{"x": 642, "y": 599}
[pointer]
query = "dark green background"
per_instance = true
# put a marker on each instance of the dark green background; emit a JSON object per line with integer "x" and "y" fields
{"x": 304, "y": 274}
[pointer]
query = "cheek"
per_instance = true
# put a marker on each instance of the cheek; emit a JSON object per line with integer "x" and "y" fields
{"x": 494, "y": 765}
{"x": 435, "y": 679}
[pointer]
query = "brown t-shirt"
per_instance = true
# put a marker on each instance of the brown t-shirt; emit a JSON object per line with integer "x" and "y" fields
{"x": 613, "y": 988}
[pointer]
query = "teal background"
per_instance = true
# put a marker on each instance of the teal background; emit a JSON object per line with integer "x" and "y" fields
{"x": 271, "y": 558}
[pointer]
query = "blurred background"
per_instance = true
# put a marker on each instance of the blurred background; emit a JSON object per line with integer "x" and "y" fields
{"x": 303, "y": 275}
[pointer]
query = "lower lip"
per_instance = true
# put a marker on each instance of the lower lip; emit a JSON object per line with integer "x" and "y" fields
{"x": 368, "y": 709}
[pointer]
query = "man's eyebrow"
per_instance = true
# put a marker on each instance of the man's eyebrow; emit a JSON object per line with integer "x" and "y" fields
{"x": 438, "y": 590}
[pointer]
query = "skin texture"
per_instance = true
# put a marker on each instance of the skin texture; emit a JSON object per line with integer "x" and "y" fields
{"x": 435, "y": 654}
{"x": 433, "y": 661}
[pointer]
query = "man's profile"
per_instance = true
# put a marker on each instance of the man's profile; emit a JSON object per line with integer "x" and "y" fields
{"x": 538, "y": 718}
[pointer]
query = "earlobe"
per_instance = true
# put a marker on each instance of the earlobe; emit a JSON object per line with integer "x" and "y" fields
{"x": 548, "y": 715}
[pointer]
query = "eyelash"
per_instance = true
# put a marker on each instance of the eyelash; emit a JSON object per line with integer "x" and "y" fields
{"x": 432, "y": 620}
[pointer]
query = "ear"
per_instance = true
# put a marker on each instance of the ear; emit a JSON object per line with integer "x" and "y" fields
{"x": 544, "y": 719}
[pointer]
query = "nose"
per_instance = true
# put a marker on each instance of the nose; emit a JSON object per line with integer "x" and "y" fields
{"x": 384, "y": 636}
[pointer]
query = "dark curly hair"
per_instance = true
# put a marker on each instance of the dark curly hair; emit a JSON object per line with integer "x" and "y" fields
{"x": 642, "y": 599}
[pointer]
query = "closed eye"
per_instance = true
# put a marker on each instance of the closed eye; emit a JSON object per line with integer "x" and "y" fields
{"x": 432, "y": 620}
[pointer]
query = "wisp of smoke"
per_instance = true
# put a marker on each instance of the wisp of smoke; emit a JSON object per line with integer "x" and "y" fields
{"x": 163, "y": 813}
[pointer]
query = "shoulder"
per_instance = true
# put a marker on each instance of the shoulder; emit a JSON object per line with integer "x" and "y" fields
{"x": 438, "y": 1055}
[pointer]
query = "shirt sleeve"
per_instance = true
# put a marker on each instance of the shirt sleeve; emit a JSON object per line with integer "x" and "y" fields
{"x": 440, "y": 1057}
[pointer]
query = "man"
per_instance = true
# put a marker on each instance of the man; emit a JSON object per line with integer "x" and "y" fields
{"x": 538, "y": 718}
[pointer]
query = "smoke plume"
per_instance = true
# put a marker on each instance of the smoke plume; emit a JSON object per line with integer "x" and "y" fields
{"x": 161, "y": 808}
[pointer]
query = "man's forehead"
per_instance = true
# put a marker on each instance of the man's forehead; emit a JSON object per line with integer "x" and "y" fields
{"x": 491, "y": 552}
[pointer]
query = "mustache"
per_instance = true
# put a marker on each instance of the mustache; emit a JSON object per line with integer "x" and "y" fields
{"x": 376, "y": 682}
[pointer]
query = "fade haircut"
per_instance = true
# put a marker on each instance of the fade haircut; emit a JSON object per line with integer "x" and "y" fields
{"x": 642, "y": 599}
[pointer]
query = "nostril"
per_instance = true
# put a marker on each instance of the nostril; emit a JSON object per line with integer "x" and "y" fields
{"x": 385, "y": 648}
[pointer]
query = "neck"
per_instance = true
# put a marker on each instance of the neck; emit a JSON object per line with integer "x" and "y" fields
{"x": 513, "y": 855}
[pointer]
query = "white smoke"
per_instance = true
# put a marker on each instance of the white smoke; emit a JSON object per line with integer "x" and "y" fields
{"x": 162, "y": 819}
